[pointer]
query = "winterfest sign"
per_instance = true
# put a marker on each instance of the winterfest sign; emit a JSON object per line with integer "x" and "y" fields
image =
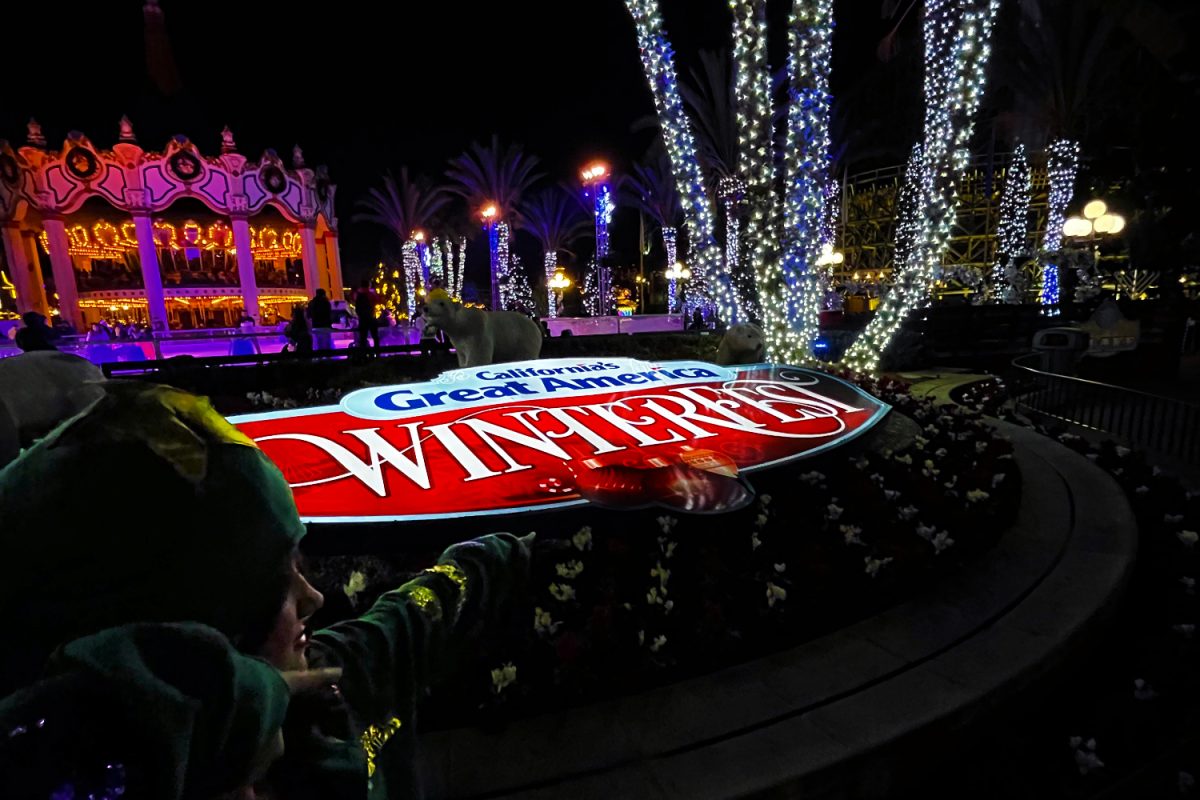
{"x": 554, "y": 433}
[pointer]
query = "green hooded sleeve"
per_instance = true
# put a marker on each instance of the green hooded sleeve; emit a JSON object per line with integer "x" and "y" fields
{"x": 168, "y": 711}
{"x": 389, "y": 654}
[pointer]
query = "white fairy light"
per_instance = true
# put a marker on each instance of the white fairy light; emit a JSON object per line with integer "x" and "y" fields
{"x": 1014, "y": 221}
{"x": 1062, "y": 165}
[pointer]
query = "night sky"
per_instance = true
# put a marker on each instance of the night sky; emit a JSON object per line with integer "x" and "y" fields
{"x": 365, "y": 88}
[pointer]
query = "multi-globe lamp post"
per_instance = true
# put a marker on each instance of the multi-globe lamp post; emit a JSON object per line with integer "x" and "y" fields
{"x": 1091, "y": 228}
{"x": 559, "y": 284}
{"x": 676, "y": 275}
{"x": 597, "y": 187}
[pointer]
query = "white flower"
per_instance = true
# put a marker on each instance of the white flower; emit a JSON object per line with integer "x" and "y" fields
{"x": 930, "y": 471}
{"x": 904, "y": 459}
{"x": 920, "y": 442}
{"x": 503, "y": 677}
{"x": 931, "y": 430}
{"x": 562, "y": 592}
{"x": 1123, "y": 451}
{"x": 926, "y": 531}
{"x": 761, "y": 520}
{"x": 1119, "y": 471}
{"x": 1172, "y": 519}
{"x": 658, "y": 643}
{"x": 891, "y": 494}
{"x": 667, "y": 547}
{"x": 850, "y": 534}
{"x": 543, "y": 623}
{"x": 860, "y": 462}
{"x": 1143, "y": 690}
{"x": 833, "y": 512}
{"x": 977, "y": 496}
{"x": 765, "y": 500}
{"x": 662, "y": 574}
{"x": 354, "y": 585}
{"x": 877, "y": 478}
{"x": 1085, "y": 755}
{"x": 907, "y": 512}
{"x": 951, "y": 483}
{"x": 812, "y": 478}
{"x": 998, "y": 479}
{"x": 667, "y": 523}
{"x": 641, "y": 637}
{"x": 755, "y": 542}
{"x": 1188, "y": 538}
{"x": 940, "y": 542}
{"x": 873, "y": 565}
{"x": 656, "y": 597}
{"x": 775, "y": 594}
{"x": 941, "y": 452}
{"x": 569, "y": 570}
{"x": 1142, "y": 489}
{"x": 981, "y": 447}
{"x": 583, "y": 538}
{"x": 780, "y": 568}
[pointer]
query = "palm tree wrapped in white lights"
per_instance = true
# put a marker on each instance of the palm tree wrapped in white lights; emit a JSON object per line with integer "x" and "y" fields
{"x": 555, "y": 220}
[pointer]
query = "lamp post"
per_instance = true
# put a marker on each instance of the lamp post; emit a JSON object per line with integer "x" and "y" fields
{"x": 640, "y": 280}
{"x": 1093, "y": 226}
{"x": 596, "y": 187}
{"x": 678, "y": 272}
{"x": 559, "y": 283}
{"x": 489, "y": 214}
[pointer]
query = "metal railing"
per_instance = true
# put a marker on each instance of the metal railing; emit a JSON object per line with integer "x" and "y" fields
{"x": 1161, "y": 424}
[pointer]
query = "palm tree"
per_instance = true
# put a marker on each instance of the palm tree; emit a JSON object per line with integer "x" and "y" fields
{"x": 405, "y": 207}
{"x": 555, "y": 218}
{"x": 651, "y": 189}
{"x": 490, "y": 175}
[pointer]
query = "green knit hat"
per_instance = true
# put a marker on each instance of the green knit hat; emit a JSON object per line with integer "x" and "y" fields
{"x": 162, "y": 712}
{"x": 147, "y": 507}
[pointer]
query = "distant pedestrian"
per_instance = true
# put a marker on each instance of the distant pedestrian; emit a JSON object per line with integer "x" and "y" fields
{"x": 320, "y": 316}
{"x": 36, "y": 335}
{"x": 365, "y": 303}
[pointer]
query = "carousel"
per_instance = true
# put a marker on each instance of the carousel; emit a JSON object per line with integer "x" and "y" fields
{"x": 174, "y": 239}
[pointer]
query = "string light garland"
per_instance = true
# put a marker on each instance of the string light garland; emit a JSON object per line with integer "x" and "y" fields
{"x": 518, "y": 293}
{"x": 957, "y": 36}
{"x": 461, "y": 268}
{"x": 710, "y": 283}
{"x": 1013, "y": 226}
{"x": 412, "y": 275}
{"x": 1062, "y": 166}
{"x": 806, "y": 163}
{"x": 437, "y": 270}
{"x": 670, "y": 246}
{"x": 549, "y": 267}
{"x": 730, "y": 191}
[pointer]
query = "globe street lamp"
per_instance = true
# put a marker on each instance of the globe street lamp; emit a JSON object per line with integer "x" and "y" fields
{"x": 597, "y": 188}
{"x": 1096, "y": 223}
{"x": 680, "y": 273}
{"x": 559, "y": 283}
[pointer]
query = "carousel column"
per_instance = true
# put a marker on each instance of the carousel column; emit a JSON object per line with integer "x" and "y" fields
{"x": 64, "y": 271}
{"x": 308, "y": 253}
{"x": 336, "y": 287}
{"x": 156, "y": 304}
{"x": 18, "y": 264}
{"x": 37, "y": 282}
{"x": 245, "y": 263}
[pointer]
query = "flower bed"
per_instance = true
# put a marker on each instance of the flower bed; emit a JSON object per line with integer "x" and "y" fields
{"x": 622, "y": 602}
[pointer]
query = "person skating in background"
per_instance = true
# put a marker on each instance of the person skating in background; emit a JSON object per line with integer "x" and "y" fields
{"x": 320, "y": 315}
{"x": 215, "y": 542}
{"x": 297, "y": 332}
{"x": 365, "y": 303}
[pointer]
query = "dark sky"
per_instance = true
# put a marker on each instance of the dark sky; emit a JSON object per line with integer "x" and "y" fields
{"x": 367, "y": 87}
{"x": 362, "y": 87}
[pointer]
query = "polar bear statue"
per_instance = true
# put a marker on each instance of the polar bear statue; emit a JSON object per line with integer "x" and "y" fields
{"x": 742, "y": 344}
{"x": 483, "y": 337}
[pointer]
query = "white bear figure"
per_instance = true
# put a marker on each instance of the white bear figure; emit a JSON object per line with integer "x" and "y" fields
{"x": 483, "y": 337}
{"x": 742, "y": 344}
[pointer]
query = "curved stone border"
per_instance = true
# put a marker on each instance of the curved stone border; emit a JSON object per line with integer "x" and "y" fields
{"x": 794, "y": 721}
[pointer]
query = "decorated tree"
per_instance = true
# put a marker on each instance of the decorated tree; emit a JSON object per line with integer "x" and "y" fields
{"x": 651, "y": 189}
{"x": 555, "y": 219}
{"x": 494, "y": 180}
{"x": 1013, "y": 230}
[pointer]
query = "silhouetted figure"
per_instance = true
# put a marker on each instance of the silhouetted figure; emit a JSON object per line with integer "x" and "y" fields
{"x": 697, "y": 322}
{"x": 320, "y": 316}
{"x": 36, "y": 335}
{"x": 364, "y": 306}
{"x": 297, "y": 332}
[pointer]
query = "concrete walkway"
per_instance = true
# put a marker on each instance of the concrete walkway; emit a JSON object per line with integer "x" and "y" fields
{"x": 820, "y": 718}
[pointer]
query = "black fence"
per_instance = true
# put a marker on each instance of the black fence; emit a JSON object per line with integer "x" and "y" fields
{"x": 1161, "y": 424}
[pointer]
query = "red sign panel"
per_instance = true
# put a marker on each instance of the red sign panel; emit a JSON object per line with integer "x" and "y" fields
{"x": 553, "y": 433}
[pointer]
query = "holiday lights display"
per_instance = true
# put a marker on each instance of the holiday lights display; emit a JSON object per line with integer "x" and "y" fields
{"x": 1062, "y": 165}
{"x": 105, "y": 240}
{"x": 730, "y": 191}
{"x": 461, "y": 267}
{"x": 711, "y": 284}
{"x": 549, "y": 267}
{"x": 957, "y": 37}
{"x": 806, "y": 167}
{"x": 668, "y": 234}
{"x": 388, "y": 284}
{"x": 500, "y": 243}
{"x": 517, "y": 291}
{"x": 1013, "y": 225}
{"x": 412, "y": 275}
{"x": 437, "y": 269}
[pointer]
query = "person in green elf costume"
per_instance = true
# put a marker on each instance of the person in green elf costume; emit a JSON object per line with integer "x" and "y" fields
{"x": 150, "y": 507}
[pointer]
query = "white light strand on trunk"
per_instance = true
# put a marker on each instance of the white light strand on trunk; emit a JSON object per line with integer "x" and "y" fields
{"x": 1013, "y": 227}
